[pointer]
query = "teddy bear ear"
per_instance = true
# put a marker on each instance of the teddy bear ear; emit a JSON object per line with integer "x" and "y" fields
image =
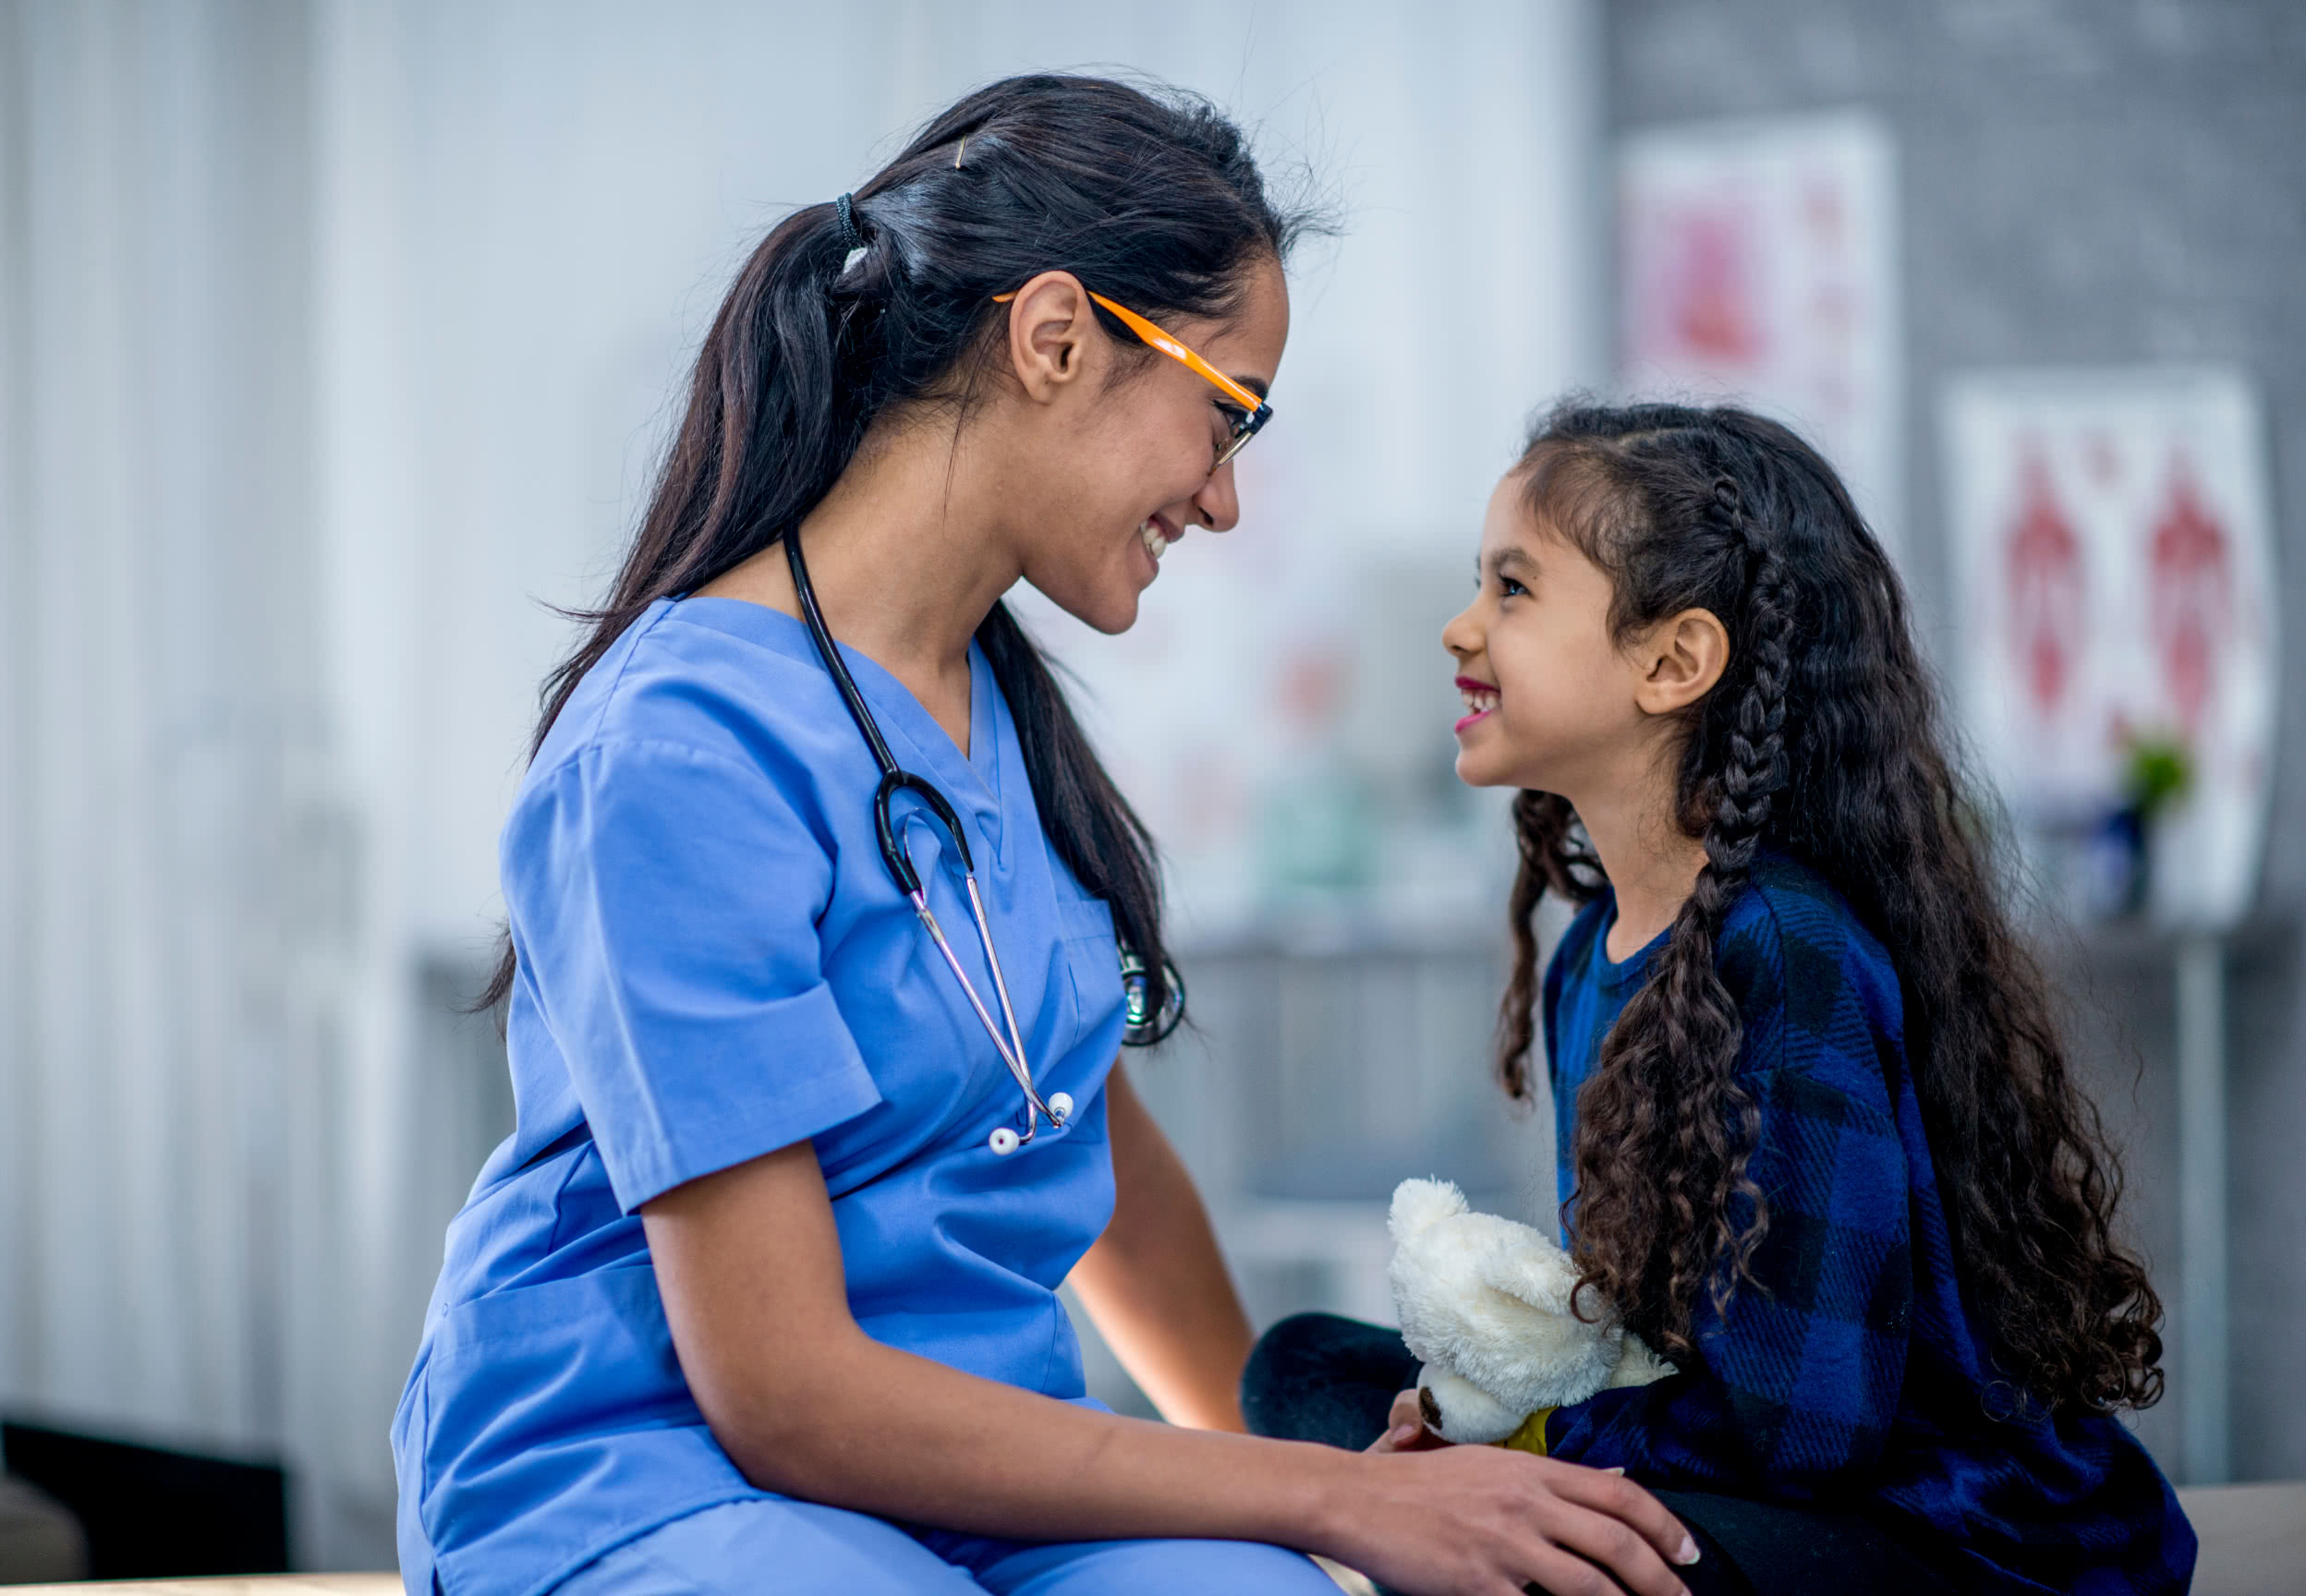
{"x": 1418, "y": 1203}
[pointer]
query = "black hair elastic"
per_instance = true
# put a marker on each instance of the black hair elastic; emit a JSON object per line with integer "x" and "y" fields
{"x": 850, "y": 237}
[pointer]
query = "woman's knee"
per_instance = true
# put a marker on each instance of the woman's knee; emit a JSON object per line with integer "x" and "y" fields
{"x": 1204, "y": 1568}
{"x": 812, "y": 1547}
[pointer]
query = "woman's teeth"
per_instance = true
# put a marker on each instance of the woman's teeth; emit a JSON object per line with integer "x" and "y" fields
{"x": 1478, "y": 703}
{"x": 1156, "y": 541}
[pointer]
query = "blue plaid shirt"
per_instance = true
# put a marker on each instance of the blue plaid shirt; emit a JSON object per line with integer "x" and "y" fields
{"x": 1856, "y": 1378}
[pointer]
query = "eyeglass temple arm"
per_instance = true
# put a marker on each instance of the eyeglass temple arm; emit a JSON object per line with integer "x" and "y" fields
{"x": 1157, "y": 339}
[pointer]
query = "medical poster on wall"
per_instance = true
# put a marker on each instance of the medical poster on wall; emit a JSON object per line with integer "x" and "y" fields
{"x": 2112, "y": 540}
{"x": 1759, "y": 264}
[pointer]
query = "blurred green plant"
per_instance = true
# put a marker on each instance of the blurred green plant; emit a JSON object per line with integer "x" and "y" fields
{"x": 2157, "y": 772}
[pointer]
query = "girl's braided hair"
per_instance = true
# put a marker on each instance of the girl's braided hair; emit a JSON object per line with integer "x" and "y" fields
{"x": 1824, "y": 739}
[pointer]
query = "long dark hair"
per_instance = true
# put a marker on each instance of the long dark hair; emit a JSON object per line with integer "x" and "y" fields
{"x": 1824, "y": 739}
{"x": 1148, "y": 195}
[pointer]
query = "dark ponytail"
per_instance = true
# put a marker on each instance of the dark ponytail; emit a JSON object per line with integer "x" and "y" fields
{"x": 1148, "y": 195}
{"x": 1822, "y": 740}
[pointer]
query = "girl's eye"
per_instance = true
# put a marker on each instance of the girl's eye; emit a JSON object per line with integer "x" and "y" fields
{"x": 1507, "y": 588}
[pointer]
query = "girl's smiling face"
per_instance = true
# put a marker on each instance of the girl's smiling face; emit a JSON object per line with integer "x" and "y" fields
{"x": 1553, "y": 699}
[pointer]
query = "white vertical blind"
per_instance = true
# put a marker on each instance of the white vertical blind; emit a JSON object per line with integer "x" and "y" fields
{"x": 163, "y": 811}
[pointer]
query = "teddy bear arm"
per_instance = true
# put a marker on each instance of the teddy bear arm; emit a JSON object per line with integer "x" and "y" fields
{"x": 1457, "y": 1409}
{"x": 1637, "y": 1365}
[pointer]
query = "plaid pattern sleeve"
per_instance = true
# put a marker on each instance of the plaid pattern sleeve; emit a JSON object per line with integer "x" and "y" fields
{"x": 1851, "y": 1377}
{"x": 1798, "y": 1380}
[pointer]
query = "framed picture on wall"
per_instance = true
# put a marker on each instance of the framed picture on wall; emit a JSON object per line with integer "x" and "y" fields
{"x": 1758, "y": 264}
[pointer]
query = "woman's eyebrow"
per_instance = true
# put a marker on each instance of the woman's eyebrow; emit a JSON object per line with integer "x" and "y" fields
{"x": 1257, "y": 385}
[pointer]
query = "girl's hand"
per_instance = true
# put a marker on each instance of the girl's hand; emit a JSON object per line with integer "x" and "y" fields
{"x": 1405, "y": 1428}
{"x": 1485, "y": 1521}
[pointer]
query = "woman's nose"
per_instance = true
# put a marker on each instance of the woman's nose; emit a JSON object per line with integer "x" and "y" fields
{"x": 1216, "y": 506}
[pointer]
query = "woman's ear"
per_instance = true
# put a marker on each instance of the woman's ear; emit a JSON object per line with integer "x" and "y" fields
{"x": 1680, "y": 659}
{"x": 1049, "y": 334}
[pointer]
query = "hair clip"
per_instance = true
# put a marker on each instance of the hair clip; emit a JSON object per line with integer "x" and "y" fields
{"x": 845, "y": 211}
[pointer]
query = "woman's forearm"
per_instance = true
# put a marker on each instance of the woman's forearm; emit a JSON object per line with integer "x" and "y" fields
{"x": 834, "y": 1416}
{"x": 905, "y": 1437}
{"x": 1156, "y": 1283}
{"x": 749, "y": 1262}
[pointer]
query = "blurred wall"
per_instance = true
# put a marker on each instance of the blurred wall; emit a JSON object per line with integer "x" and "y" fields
{"x": 2091, "y": 184}
{"x": 337, "y": 340}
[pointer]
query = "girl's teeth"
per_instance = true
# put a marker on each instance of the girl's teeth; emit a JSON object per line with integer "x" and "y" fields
{"x": 1155, "y": 544}
{"x": 1477, "y": 703}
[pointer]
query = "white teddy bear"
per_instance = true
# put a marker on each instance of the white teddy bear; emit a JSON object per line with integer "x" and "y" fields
{"x": 1485, "y": 1305}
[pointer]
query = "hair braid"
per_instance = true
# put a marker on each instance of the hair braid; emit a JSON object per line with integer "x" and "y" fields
{"x": 1554, "y": 857}
{"x": 1665, "y": 1083}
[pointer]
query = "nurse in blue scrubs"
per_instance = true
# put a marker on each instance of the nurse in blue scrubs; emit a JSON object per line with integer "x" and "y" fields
{"x": 760, "y": 1296}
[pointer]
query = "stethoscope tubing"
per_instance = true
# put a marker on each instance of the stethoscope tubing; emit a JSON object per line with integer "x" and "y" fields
{"x": 894, "y": 779}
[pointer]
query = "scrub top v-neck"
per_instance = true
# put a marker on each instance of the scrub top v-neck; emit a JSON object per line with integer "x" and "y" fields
{"x": 713, "y": 964}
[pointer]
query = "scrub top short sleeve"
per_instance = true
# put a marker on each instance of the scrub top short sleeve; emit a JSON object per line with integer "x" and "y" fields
{"x": 666, "y": 899}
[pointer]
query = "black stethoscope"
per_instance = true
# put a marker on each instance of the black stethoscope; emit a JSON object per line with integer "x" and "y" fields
{"x": 1142, "y": 1027}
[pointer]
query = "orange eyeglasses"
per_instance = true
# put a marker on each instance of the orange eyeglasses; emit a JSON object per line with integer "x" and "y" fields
{"x": 1248, "y": 412}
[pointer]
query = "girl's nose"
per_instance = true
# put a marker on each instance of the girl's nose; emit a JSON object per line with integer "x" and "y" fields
{"x": 1461, "y": 636}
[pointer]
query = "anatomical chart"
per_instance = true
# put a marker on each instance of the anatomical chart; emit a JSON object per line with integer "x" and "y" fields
{"x": 2115, "y": 595}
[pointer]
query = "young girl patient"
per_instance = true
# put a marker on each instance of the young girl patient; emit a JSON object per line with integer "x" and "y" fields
{"x": 1817, "y": 1140}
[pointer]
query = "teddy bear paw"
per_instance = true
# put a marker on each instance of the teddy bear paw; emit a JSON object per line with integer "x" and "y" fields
{"x": 1457, "y": 1409}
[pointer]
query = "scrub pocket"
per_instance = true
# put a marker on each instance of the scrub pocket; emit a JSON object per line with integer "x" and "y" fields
{"x": 1092, "y": 956}
{"x": 529, "y": 1398}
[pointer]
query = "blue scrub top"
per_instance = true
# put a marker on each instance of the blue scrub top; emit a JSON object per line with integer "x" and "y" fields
{"x": 714, "y": 964}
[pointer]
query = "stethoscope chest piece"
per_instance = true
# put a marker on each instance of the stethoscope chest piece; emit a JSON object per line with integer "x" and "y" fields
{"x": 1143, "y": 1025}
{"x": 1006, "y": 1140}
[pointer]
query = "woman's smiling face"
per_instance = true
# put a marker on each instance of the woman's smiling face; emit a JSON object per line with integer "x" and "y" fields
{"x": 1125, "y": 465}
{"x": 1550, "y": 693}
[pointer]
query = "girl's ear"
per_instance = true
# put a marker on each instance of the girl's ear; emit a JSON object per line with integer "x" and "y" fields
{"x": 1050, "y": 322}
{"x": 1680, "y": 659}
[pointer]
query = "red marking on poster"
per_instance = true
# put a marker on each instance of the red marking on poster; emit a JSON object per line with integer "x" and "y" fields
{"x": 1821, "y": 209}
{"x": 2193, "y": 604}
{"x": 1712, "y": 312}
{"x": 2041, "y": 563}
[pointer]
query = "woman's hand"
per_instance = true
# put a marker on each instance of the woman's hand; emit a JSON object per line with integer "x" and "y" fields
{"x": 1485, "y": 1521}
